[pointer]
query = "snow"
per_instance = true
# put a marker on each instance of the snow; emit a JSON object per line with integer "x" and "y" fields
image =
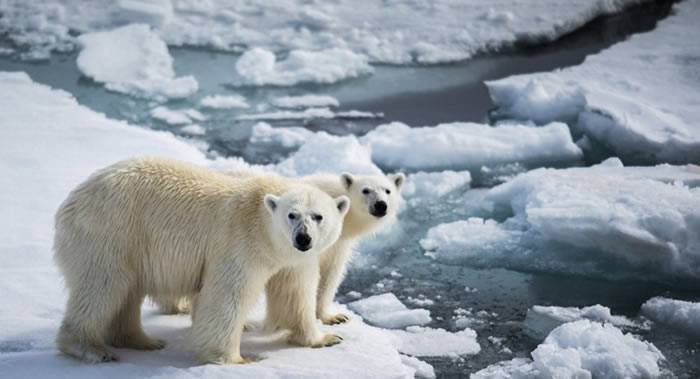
{"x": 176, "y": 117}
{"x": 397, "y": 32}
{"x": 224, "y": 102}
{"x": 681, "y": 315}
{"x": 595, "y": 221}
{"x": 469, "y": 146}
{"x": 613, "y": 97}
{"x": 305, "y": 101}
{"x": 142, "y": 67}
{"x": 57, "y": 146}
{"x": 259, "y": 67}
{"x": 541, "y": 320}
{"x": 387, "y": 311}
{"x": 583, "y": 349}
{"x": 430, "y": 342}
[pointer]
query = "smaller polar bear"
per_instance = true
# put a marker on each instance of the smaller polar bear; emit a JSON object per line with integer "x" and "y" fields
{"x": 159, "y": 227}
{"x": 375, "y": 200}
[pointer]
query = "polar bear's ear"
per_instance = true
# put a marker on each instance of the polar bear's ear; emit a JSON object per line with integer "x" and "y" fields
{"x": 347, "y": 179}
{"x": 398, "y": 179}
{"x": 343, "y": 204}
{"x": 271, "y": 202}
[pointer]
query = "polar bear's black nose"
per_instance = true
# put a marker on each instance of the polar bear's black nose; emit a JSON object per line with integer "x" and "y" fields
{"x": 302, "y": 241}
{"x": 379, "y": 209}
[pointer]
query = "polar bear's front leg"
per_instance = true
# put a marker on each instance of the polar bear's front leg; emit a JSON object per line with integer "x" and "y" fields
{"x": 221, "y": 308}
{"x": 291, "y": 304}
{"x": 332, "y": 266}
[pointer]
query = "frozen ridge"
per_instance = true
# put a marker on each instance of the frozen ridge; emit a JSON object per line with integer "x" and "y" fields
{"x": 613, "y": 97}
{"x": 133, "y": 60}
{"x": 594, "y": 221}
{"x": 54, "y": 125}
{"x": 582, "y": 349}
{"x": 397, "y": 32}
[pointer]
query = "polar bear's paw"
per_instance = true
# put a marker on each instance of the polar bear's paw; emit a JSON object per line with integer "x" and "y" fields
{"x": 139, "y": 342}
{"x": 328, "y": 340}
{"x": 335, "y": 319}
{"x": 89, "y": 353}
{"x": 226, "y": 360}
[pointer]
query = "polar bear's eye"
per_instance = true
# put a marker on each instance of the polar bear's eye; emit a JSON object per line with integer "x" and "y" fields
{"x": 292, "y": 216}
{"x": 317, "y": 218}
{"x": 388, "y": 192}
{"x": 365, "y": 191}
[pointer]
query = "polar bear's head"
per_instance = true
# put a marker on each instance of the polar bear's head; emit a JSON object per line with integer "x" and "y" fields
{"x": 374, "y": 198}
{"x": 306, "y": 218}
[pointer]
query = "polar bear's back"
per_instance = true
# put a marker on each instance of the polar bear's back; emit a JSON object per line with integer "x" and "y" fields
{"x": 158, "y": 219}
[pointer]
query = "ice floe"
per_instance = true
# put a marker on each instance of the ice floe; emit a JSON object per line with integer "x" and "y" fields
{"x": 431, "y": 342}
{"x": 541, "y": 320}
{"x": 469, "y": 146}
{"x": 176, "y": 117}
{"x": 224, "y": 102}
{"x": 387, "y": 311}
{"x": 681, "y": 315}
{"x": 614, "y": 96}
{"x": 305, "y": 101}
{"x": 258, "y": 66}
{"x": 599, "y": 217}
{"x": 583, "y": 349}
{"x": 134, "y": 60}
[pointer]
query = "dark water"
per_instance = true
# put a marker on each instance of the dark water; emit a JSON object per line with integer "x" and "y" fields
{"x": 419, "y": 95}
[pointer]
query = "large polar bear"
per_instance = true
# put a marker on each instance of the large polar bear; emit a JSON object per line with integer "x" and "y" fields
{"x": 158, "y": 227}
{"x": 375, "y": 200}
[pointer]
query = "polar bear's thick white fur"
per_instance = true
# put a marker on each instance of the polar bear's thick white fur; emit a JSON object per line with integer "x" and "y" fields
{"x": 159, "y": 227}
{"x": 374, "y": 200}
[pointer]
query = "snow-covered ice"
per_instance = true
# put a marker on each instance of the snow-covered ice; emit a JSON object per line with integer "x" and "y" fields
{"x": 387, "y": 311}
{"x": 469, "y": 146}
{"x": 430, "y": 342}
{"x": 583, "y": 349}
{"x": 58, "y": 145}
{"x": 308, "y": 113}
{"x": 640, "y": 98}
{"x": 134, "y": 60}
{"x": 398, "y": 32}
{"x": 305, "y": 101}
{"x": 259, "y": 67}
{"x": 594, "y": 221}
{"x": 224, "y": 102}
{"x": 678, "y": 314}
{"x": 541, "y": 320}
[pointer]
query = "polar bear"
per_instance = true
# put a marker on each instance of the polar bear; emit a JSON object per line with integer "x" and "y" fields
{"x": 154, "y": 227}
{"x": 375, "y": 200}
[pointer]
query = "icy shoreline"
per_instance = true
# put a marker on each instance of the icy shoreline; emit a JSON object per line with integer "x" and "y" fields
{"x": 398, "y": 32}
